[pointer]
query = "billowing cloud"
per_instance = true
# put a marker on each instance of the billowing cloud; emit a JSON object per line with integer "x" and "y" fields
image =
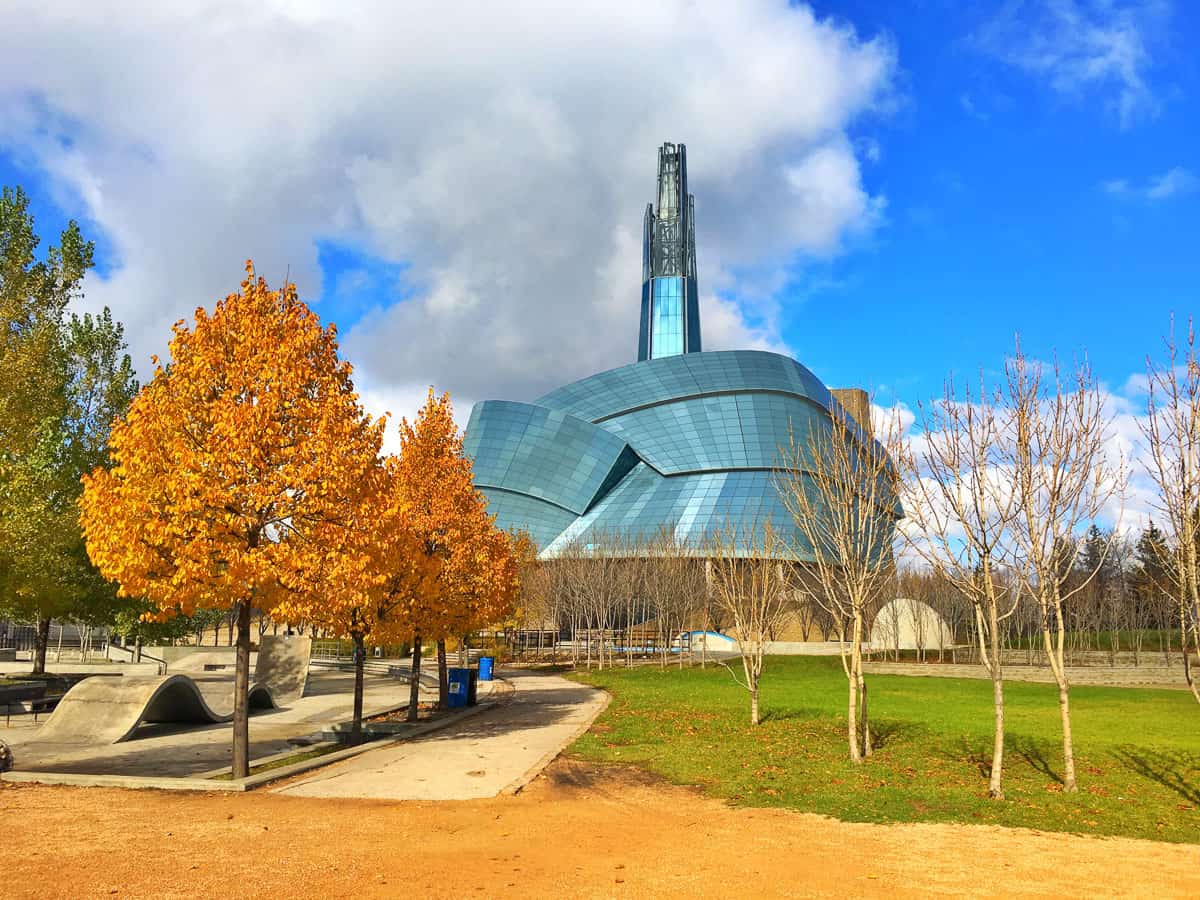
{"x": 499, "y": 156}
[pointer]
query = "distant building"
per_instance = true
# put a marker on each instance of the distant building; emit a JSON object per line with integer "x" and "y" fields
{"x": 681, "y": 440}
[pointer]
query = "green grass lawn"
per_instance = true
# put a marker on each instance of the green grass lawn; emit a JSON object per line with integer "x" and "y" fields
{"x": 1137, "y": 751}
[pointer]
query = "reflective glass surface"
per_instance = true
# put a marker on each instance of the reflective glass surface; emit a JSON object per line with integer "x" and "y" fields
{"x": 640, "y": 384}
{"x": 667, "y": 318}
{"x": 519, "y": 512}
{"x": 696, "y": 508}
{"x": 685, "y": 441}
{"x": 543, "y": 453}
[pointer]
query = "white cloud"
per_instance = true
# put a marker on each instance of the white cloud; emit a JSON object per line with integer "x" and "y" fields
{"x": 1172, "y": 183}
{"x": 1176, "y": 181}
{"x": 503, "y": 152}
{"x": 1083, "y": 47}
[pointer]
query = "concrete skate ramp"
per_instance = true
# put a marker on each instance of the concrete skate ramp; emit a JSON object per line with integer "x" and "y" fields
{"x": 283, "y": 666}
{"x": 215, "y": 661}
{"x": 105, "y": 710}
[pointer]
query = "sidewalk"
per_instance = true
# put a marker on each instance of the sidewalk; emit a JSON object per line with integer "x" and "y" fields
{"x": 497, "y": 751}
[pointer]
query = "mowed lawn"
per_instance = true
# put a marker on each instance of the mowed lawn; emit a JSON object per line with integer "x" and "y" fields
{"x": 1137, "y": 751}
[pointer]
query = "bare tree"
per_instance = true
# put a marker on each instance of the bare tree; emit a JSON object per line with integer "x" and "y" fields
{"x": 962, "y": 511}
{"x": 839, "y": 484}
{"x": 1172, "y": 429}
{"x": 749, "y": 585}
{"x": 673, "y": 582}
{"x": 1063, "y": 479}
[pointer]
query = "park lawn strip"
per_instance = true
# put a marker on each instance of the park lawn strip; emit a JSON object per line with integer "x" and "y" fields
{"x": 1137, "y": 753}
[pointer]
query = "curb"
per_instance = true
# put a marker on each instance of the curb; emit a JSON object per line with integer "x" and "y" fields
{"x": 518, "y": 785}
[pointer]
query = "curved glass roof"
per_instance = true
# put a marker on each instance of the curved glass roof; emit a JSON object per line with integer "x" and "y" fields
{"x": 519, "y": 512}
{"x": 544, "y": 453}
{"x": 696, "y": 508}
{"x": 654, "y": 381}
{"x": 684, "y": 442}
{"x": 720, "y": 431}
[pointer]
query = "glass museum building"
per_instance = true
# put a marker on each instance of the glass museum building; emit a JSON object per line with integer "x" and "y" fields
{"x": 683, "y": 440}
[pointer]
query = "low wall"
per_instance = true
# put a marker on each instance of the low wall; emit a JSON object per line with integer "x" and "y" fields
{"x": 1114, "y": 676}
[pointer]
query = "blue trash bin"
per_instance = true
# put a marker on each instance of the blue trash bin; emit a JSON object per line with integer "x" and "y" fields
{"x": 486, "y": 665}
{"x": 460, "y": 685}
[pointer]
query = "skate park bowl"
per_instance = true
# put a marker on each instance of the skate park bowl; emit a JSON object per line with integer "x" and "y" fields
{"x": 106, "y": 710}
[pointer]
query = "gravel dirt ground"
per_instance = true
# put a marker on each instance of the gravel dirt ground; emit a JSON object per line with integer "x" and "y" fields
{"x": 578, "y": 830}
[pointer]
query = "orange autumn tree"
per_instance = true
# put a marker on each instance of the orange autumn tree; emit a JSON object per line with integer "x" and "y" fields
{"x": 237, "y": 470}
{"x": 450, "y": 517}
{"x": 373, "y": 582}
{"x": 480, "y": 578}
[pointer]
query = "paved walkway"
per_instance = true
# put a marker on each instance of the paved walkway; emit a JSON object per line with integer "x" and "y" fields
{"x": 182, "y": 750}
{"x": 495, "y": 751}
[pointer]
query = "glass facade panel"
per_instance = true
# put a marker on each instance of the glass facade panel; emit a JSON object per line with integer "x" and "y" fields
{"x": 687, "y": 442}
{"x": 543, "y": 453}
{"x": 667, "y": 318}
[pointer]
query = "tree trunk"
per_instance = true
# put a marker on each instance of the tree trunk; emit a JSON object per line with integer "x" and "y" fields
{"x": 443, "y": 676}
{"x": 360, "y": 657}
{"x": 41, "y": 641}
{"x": 852, "y": 728}
{"x": 1064, "y": 706}
{"x": 754, "y": 705}
{"x": 137, "y": 649}
{"x": 414, "y": 679}
{"x": 995, "y": 786}
{"x": 852, "y": 716}
{"x": 863, "y": 717}
{"x": 241, "y": 690}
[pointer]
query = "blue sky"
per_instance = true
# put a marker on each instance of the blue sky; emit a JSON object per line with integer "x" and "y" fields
{"x": 1027, "y": 167}
{"x": 1004, "y": 213}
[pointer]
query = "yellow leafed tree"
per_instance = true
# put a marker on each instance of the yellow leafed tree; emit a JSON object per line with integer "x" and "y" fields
{"x": 477, "y": 575}
{"x": 369, "y": 590}
{"x": 237, "y": 470}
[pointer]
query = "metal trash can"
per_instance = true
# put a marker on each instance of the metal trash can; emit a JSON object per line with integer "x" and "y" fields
{"x": 472, "y": 687}
{"x": 486, "y": 665}
{"x": 460, "y": 687}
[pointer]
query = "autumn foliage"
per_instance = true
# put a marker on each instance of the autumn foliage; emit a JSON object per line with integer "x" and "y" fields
{"x": 246, "y": 476}
{"x": 477, "y": 578}
{"x": 238, "y": 470}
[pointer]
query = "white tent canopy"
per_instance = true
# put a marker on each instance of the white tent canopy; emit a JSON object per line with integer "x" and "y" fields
{"x": 904, "y": 624}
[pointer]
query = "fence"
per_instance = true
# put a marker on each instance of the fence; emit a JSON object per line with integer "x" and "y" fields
{"x": 67, "y": 641}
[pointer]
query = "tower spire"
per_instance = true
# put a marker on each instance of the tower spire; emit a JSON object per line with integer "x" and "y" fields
{"x": 670, "y": 308}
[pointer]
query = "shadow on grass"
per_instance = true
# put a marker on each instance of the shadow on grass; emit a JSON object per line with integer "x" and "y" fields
{"x": 1177, "y": 770}
{"x": 792, "y": 712}
{"x": 1034, "y": 753}
{"x": 977, "y": 755}
{"x": 887, "y": 732}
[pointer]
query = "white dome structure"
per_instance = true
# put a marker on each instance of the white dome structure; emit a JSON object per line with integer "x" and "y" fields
{"x": 904, "y": 624}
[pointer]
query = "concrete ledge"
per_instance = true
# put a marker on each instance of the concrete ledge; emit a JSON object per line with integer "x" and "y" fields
{"x": 208, "y": 783}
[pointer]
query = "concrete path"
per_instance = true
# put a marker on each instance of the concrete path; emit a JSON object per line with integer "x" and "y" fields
{"x": 496, "y": 751}
{"x": 186, "y": 750}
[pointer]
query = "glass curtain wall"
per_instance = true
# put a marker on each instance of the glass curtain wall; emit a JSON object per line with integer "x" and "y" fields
{"x": 667, "y": 338}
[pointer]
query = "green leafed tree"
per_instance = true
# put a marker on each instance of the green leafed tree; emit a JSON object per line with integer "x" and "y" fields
{"x": 66, "y": 378}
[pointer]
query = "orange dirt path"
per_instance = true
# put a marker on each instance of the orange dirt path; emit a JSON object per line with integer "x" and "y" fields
{"x": 576, "y": 831}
